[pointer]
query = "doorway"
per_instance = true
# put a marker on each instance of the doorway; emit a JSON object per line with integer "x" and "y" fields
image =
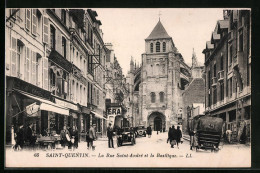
{"x": 157, "y": 124}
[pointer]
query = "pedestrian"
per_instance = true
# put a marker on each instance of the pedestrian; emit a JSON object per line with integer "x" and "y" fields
{"x": 19, "y": 138}
{"x": 149, "y": 131}
{"x": 178, "y": 136}
{"x": 74, "y": 136}
{"x": 110, "y": 136}
{"x": 172, "y": 136}
{"x": 92, "y": 136}
{"x": 87, "y": 139}
{"x": 169, "y": 134}
{"x": 30, "y": 136}
{"x": 65, "y": 137}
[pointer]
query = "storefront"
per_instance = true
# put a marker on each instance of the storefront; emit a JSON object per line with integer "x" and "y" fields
{"x": 117, "y": 117}
{"x": 84, "y": 123}
{"x": 28, "y": 104}
{"x": 97, "y": 118}
{"x": 74, "y": 112}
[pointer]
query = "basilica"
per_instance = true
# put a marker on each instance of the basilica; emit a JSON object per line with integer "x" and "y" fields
{"x": 157, "y": 85}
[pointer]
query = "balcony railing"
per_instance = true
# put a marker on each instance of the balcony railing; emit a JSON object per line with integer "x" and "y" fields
{"x": 221, "y": 75}
{"x": 214, "y": 81}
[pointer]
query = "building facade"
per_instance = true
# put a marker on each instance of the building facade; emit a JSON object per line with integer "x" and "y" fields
{"x": 164, "y": 69}
{"x": 116, "y": 91}
{"x": 228, "y": 72}
{"x": 55, "y": 65}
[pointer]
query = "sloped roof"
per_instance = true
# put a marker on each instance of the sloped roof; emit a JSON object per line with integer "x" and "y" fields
{"x": 158, "y": 32}
{"x": 223, "y": 24}
{"x": 209, "y": 45}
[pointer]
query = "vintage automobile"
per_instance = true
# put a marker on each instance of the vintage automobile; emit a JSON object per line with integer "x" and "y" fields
{"x": 205, "y": 132}
{"x": 141, "y": 131}
{"x": 125, "y": 135}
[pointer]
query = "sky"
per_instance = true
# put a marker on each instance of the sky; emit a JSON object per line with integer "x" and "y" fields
{"x": 126, "y": 29}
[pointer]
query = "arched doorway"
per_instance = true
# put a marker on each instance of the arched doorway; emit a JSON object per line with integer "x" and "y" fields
{"x": 157, "y": 123}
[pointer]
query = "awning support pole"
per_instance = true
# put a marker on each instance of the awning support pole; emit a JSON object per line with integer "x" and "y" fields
{"x": 17, "y": 103}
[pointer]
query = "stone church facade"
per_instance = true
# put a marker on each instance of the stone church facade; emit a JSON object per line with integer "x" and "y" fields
{"x": 156, "y": 86}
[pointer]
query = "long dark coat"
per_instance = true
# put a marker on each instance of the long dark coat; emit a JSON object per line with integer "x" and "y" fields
{"x": 109, "y": 132}
{"x": 179, "y": 135}
{"x": 149, "y": 130}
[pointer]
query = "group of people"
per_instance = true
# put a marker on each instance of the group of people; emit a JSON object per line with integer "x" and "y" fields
{"x": 174, "y": 136}
{"x": 24, "y": 135}
{"x": 69, "y": 137}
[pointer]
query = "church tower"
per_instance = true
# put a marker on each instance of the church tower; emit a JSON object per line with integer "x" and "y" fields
{"x": 160, "y": 87}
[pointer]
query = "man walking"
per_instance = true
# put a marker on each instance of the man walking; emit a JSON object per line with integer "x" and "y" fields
{"x": 179, "y": 136}
{"x": 110, "y": 136}
{"x": 92, "y": 136}
{"x": 149, "y": 131}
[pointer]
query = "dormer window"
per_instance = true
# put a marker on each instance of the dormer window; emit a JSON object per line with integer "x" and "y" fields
{"x": 164, "y": 47}
{"x": 151, "y": 47}
{"x": 157, "y": 46}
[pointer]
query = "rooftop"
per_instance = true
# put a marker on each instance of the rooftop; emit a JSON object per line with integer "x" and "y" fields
{"x": 158, "y": 32}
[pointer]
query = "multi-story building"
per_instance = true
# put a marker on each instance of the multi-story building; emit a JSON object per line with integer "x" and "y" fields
{"x": 116, "y": 91}
{"x": 194, "y": 93}
{"x": 55, "y": 62}
{"x": 228, "y": 71}
{"x": 156, "y": 87}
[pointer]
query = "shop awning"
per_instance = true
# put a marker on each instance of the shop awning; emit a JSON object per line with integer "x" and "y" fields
{"x": 98, "y": 115}
{"x": 47, "y": 105}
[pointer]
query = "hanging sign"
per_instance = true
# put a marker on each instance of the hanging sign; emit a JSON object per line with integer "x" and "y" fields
{"x": 32, "y": 109}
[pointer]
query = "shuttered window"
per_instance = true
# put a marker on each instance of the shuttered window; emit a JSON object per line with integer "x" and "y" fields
{"x": 45, "y": 30}
{"x": 13, "y": 52}
{"x": 33, "y": 73}
{"x": 45, "y": 73}
{"x": 27, "y": 65}
{"x": 34, "y": 22}
{"x": 28, "y": 19}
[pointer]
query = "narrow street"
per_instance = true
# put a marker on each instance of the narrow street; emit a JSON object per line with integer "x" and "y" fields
{"x": 155, "y": 150}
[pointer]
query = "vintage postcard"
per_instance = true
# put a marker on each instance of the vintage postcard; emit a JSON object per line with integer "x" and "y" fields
{"x": 128, "y": 87}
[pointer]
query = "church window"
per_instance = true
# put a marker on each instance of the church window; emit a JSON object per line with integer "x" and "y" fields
{"x": 157, "y": 46}
{"x": 164, "y": 47}
{"x": 151, "y": 47}
{"x": 161, "y": 96}
{"x": 152, "y": 97}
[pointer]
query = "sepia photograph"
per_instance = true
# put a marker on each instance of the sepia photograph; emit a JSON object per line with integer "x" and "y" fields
{"x": 127, "y": 88}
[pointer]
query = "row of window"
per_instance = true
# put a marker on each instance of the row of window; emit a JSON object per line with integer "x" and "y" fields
{"x": 28, "y": 64}
{"x": 158, "y": 47}
{"x": 231, "y": 87}
{"x": 153, "y": 97}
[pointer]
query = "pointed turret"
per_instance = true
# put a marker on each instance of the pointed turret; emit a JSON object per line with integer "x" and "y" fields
{"x": 194, "y": 60}
{"x": 131, "y": 64}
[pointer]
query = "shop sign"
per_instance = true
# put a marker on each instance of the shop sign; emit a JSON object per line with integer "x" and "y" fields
{"x": 66, "y": 104}
{"x": 114, "y": 111}
{"x": 32, "y": 109}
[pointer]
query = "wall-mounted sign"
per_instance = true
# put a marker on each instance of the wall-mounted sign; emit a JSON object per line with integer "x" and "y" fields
{"x": 114, "y": 111}
{"x": 66, "y": 104}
